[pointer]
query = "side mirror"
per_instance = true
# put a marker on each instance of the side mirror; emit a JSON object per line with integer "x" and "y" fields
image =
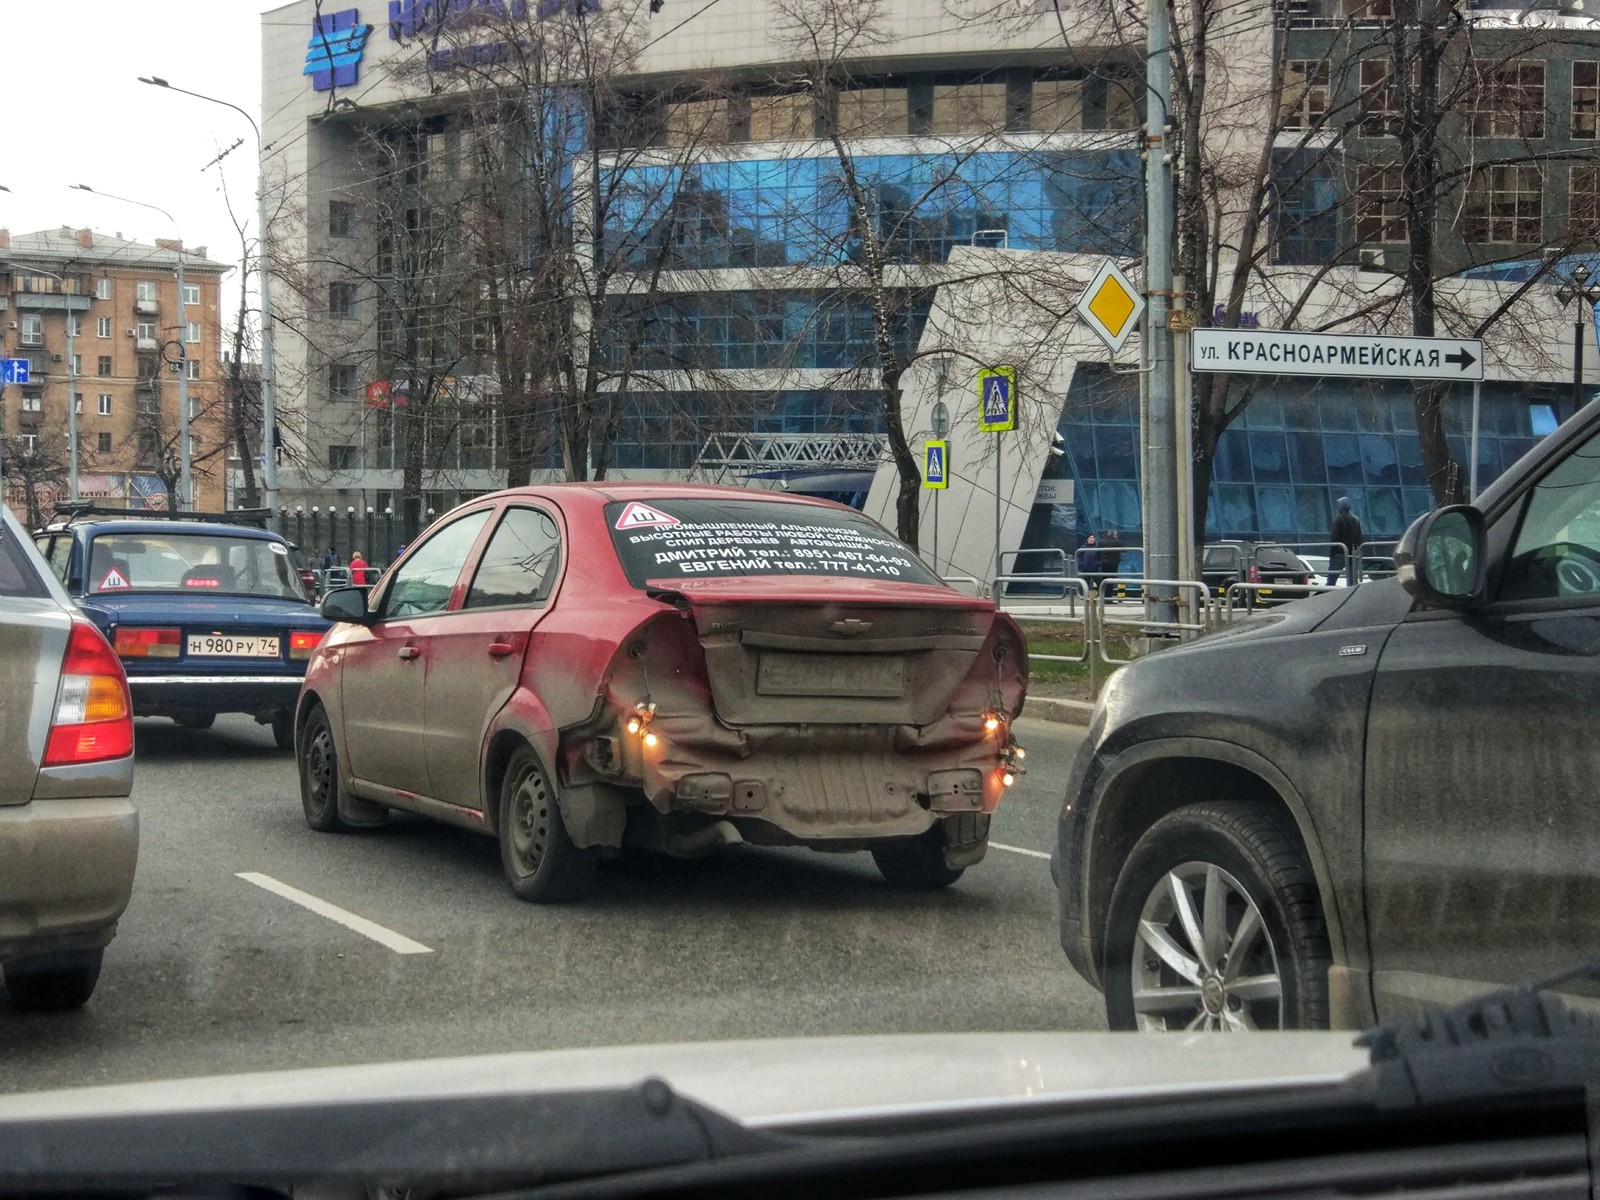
{"x": 346, "y": 604}
{"x": 1443, "y": 558}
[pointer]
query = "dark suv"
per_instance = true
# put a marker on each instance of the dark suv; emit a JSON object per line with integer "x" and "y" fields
{"x": 1370, "y": 801}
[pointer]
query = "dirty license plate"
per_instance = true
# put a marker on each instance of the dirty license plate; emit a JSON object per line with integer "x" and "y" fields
{"x": 856, "y": 675}
{"x": 207, "y": 645}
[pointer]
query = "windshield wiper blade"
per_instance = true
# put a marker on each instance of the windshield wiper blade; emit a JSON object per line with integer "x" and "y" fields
{"x": 1522, "y": 1041}
{"x": 472, "y": 1141}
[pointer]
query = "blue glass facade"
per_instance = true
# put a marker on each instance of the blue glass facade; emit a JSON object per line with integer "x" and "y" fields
{"x": 667, "y": 430}
{"x": 1298, "y": 447}
{"x": 793, "y": 211}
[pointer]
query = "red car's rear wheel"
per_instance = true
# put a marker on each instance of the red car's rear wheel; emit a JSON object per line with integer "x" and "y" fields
{"x": 540, "y": 861}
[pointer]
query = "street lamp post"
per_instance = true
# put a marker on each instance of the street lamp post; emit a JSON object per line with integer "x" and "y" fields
{"x": 185, "y": 483}
{"x": 269, "y": 390}
{"x": 1582, "y": 289}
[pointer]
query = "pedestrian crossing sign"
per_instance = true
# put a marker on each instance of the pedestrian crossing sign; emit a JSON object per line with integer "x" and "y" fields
{"x": 936, "y": 464}
{"x": 997, "y": 399}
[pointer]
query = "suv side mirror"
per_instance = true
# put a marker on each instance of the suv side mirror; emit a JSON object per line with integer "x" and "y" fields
{"x": 1443, "y": 558}
{"x": 346, "y": 604}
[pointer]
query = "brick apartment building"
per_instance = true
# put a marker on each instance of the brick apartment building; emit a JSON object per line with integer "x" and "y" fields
{"x": 133, "y": 335}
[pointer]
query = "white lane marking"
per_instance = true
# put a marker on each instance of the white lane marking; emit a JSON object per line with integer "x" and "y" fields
{"x": 1018, "y": 850}
{"x": 398, "y": 942}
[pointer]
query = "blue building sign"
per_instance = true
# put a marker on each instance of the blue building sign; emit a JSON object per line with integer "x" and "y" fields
{"x": 333, "y": 56}
{"x": 409, "y": 17}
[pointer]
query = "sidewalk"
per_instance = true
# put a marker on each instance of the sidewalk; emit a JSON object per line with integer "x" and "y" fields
{"x": 1062, "y": 712}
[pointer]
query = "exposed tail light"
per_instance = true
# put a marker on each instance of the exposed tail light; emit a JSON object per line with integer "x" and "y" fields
{"x": 1255, "y": 575}
{"x": 93, "y": 720}
{"x": 132, "y": 642}
{"x": 303, "y": 643}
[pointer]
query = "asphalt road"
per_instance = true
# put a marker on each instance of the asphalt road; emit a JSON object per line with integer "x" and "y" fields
{"x": 213, "y": 973}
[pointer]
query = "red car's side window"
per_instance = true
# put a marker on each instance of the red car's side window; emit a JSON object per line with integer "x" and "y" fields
{"x": 423, "y": 584}
{"x": 518, "y": 567}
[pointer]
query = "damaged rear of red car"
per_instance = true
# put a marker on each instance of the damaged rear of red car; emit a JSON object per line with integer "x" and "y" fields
{"x": 708, "y": 666}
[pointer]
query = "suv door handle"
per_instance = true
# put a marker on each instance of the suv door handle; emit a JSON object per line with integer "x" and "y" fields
{"x": 409, "y": 652}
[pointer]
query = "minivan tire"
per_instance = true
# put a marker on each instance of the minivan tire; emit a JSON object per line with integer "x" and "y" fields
{"x": 54, "y": 982}
{"x": 1251, "y": 852}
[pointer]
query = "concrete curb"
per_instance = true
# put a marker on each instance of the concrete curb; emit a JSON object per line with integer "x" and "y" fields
{"x": 1062, "y": 712}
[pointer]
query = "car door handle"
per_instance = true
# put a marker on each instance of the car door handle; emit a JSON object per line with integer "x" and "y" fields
{"x": 499, "y": 649}
{"x": 409, "y": 652}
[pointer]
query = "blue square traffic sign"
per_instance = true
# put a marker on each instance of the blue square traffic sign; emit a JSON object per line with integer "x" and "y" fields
{"x": 936, "y": 464}
{"x": 13, "y": 370}
{"x": 997, "y": 399}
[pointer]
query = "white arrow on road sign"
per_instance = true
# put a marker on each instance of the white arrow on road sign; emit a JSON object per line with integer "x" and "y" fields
{"x": 14, "y": 370}
{"x": 1362, "y": 356}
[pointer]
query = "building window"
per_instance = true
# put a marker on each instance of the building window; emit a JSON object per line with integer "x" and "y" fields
{"x": 77, "y": 364}
{"x": 195, "y": 448}
{"x": 194, "y": 408}
{"x": 30, "y": 444}
{"x": 341, "y": 219}
{"x": 149, "y": 367}
{"x": 191, "y": 293}
{"x": 342, "y": 299}
{"x": 146, "y": 331}
{"x": 1305, "y": 94}
{"x": 102, "y": 327}
{"x": 1583, "y": 202}
{"x": 1586, "y": 100}
{"x": 103, "y": 365}
{"x": 1504, "y": 205}
{"x": 342, "y": 458}
{"x": 969, "y": 108}
{"x": 191, "y": 332}
{"x": 102, "y": 289}
{"x": 699, "y": 123}
{"x": 873, "y": 112}
{"x": 192, "y": 367}
{"x": 1057, "y": 105}
{"x": 1507, "y": 100}
{"x": 145, "y": 289}
{"x": 789, "y": 117}
{"x": 1380, "y": 205}
{"x": 32, "y": 330}
{"x": 75, "y": 325}
{"x": 1380, "y": 99}
{"x": 342, "y": 381}
{"x": 32, "y": 402}
{"x": 103, "y": 442}
{"x": 77, "y": 403}
{"x": 105, "y": 404}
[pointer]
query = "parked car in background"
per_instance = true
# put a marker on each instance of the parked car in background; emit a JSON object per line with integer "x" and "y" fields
{"x": 1373, "y": 800}
{"x": 1224, "y": 564}
{"x": 575, "y": 666}
{"x": 208, "y": 615}
{"x": 69, "y": 836}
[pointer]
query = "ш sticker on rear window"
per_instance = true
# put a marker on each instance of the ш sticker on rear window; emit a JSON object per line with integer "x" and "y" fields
{"x": 666, "y": 540}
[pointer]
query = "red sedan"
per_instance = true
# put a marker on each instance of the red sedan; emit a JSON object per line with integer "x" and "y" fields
{"x": 580, "y": 668}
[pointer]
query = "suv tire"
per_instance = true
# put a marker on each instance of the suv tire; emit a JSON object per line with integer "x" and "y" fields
{"x": 1215, "y": 896}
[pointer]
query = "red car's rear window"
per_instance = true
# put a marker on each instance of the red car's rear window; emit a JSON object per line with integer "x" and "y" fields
{"x": 723, "y": 539}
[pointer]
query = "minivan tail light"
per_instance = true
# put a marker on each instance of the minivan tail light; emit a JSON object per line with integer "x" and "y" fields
{"x": 132, "y": 642}
{"x": 303, "y": 643}
{"x": 93, "y": 720}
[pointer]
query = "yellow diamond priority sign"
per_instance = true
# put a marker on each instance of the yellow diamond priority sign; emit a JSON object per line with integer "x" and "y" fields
{"x": 1111, "y": 305}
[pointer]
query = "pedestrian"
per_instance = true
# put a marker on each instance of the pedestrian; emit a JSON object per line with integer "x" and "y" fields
{"x": 1346, "y": 539}
{"x": 331, "y": 559}
{"x": 1089, "y": 558}
{"x": 358, "y": 569}
{"x": 1111, "y": 552}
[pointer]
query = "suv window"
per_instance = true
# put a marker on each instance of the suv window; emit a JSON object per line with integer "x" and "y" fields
{"x": 1557, "y": 553}
{"x": 424, "y": 583}
{"x": 518, "y": 566}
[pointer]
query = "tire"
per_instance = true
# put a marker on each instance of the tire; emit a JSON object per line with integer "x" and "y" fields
{"x": 283, "y": 729}
{"x": 318, "y": 763}
{"x": 540, "y": 861}
{"x": 916, "y": 862}
{"x": 1250, "y": 853}
{"x": 196, "y": 720}
{"x": 53, "y": 983}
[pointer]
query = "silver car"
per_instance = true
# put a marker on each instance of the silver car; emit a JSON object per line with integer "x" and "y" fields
{"x": 69, "y": 835}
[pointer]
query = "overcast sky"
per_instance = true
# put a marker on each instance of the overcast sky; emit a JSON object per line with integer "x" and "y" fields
{"x": 80, "y": 115}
